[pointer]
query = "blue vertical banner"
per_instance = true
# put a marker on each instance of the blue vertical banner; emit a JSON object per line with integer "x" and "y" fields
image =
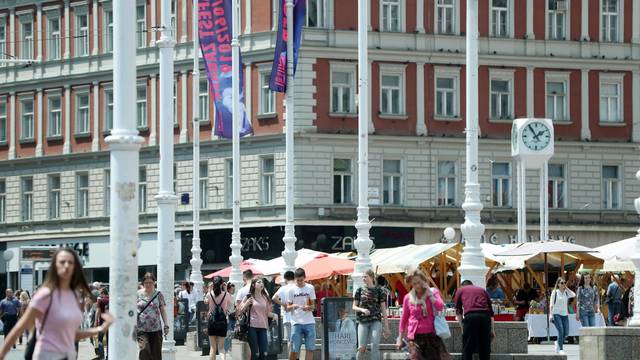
{"x": 278, "y": 80}
{"x": 215, "y": 33}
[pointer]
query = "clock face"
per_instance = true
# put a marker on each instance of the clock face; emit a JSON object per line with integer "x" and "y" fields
{"x": 536, "y": 136}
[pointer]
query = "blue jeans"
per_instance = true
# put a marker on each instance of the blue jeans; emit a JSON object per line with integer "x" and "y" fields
{"x": 227, "y": 340}
{"x": 562, "y": 324}
{"x": 369, "y": 332}
{"x": 587, "y": 319}
{"x": 614, "y": 309}
{"x": 258, "y": 343}
{"x": 300, "y": 331}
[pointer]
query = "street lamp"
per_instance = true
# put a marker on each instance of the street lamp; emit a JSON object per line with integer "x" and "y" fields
{"x": 7, "y": 255}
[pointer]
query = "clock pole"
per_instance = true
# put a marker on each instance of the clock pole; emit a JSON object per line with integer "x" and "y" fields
{"x": 472, "y": 263}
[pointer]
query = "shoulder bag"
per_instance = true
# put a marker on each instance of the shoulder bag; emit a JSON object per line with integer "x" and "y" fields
{"x": 140, "y": 334}
{"x": 31, "y": 344}
{"x": 241, "y": 331}
{"x": 440, "y": 323}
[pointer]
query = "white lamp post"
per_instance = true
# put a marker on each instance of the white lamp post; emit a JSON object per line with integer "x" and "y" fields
{"x": 472, "y": 265}
{"x": 166, "y": 197}
{"x": 289, "y": 253}
{"x": 236, "y": 257}
{"x": 124, "y": 145}
{"x": 196, "y": 250}
{"x": 7, "y": 255}
{"x": 635, "y": 258}
{"x": 363, "y": 243}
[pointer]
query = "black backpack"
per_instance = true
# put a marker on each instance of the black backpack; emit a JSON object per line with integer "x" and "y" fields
{"x": 217, "y": 318}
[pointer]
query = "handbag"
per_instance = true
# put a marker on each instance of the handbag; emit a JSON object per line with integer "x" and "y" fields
{"x": 440, "y": 323}
{"x": 31, "y": 344}
{"x": 139, "y": 335}
{"x": 241, "y": 331}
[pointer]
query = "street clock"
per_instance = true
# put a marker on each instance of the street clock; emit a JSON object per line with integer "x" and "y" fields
{"x": 532, "y": 141}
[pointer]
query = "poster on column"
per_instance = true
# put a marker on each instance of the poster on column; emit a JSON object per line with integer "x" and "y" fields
{"x": 215, "y": 32}
{"x": 339, "y": 325}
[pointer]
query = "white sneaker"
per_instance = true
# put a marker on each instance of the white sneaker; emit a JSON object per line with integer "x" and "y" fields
{"x": 561, "y": 352}
{"x": 555, "y": 343}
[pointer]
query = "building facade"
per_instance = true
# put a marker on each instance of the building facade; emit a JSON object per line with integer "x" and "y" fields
{"x": 576, "y": 62}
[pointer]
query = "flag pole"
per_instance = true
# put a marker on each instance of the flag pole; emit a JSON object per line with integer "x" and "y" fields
{"x": 363, "y": 243}
{"x": 236, "y": 257}
{"x": 196, "y": 250}
{"x": 289, "y": 253}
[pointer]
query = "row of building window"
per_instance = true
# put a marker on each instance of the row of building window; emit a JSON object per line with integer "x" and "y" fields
{"x": 392, "y": 19}
{"x": 393, "y": 193}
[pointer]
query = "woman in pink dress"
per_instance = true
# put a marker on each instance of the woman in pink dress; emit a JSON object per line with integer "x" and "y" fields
{"x": 56, "y": 310}
{"x": 417, "y": 322}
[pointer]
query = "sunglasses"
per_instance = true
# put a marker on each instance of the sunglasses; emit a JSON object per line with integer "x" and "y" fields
{"x": 562, "y": 282}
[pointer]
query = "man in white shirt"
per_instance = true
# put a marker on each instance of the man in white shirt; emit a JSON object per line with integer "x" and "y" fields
{"x": 247, "y": 276}
{"x": 281, "y": 297}
{"x": 301, "y": 300}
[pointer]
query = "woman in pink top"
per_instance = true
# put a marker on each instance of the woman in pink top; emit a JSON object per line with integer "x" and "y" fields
{"x": 57, "y": 311}
{"x": 217, "y": 327}
{"x": 258, "y": 303}
{"x": 417, "y": 321}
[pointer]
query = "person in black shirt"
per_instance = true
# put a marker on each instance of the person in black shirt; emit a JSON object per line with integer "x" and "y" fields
{"x": 522, "y": 300}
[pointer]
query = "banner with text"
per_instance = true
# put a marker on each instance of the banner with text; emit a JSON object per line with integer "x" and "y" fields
{"x": 278, "y": 80}
{"x": 215, "y": 32}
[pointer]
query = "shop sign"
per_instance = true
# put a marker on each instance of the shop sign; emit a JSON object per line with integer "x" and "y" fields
{"x": 511, "y": 238}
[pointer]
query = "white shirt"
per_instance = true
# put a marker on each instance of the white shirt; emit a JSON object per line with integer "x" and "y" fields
{"x": 243, "y": 292}
{"x": 191, "y": 297}
{"x": 559, "y": 301}
{"x": 301, "y": 296}
{"x": 283, "y": 294}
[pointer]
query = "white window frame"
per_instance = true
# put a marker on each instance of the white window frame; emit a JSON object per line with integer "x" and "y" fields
{"x": 342, "y": 175}
{"x": 82, "y": 195}
{"x": 402, "y": 17}
{"x": 607, "y": 188}
{"x": 267, "y": 181}
{"x": 108, "y": 114}
{"x": 108, "y": 28}
{"x": 351, "y": 87}
{"x": 107, "y": 192}
{"x": 54, "y": 126}
{"x": 79, "y": 110}
{"x": 3, "y": 38}
{"x": 204, "y": 184}
{"x": 555, "y": 183}
{"x": 54, "y": 198}
{"x": 26, "y": 199}
{"x": 204, "y": 100}
{"x": 54, "y": 37}
{"x": 27, "y": 119}
{"x": 447, "y": 72}
{"x": 174, "y": 18}
{"x": 228, "y": 182}
{"x": 321, "y": 13}
{"x": 394, "y": 70}
{"x": 456, "y": 18}
{"x": 141, "y": 26}
{"x": 612, "y": 79}
{"x": 619, "y": 25}
{"x": 455, "y": 176}
{"x": 3, "y": 120}
{"x": 558, "y": 77}
{"x": 510, "y": 19}
{"x": 27, "y": 42}
{"x": 142, "y": 189}
{"x": 567, "y": 22}
{"x": 175, "y": 102}
{"x": 265, "y": 70}
{"x": 142, "y": 119}
{"x": 392, "y": 201}
{"x": 81, "y": 33}
{"x": 497, "y": 199}
{"x": 502, "y": 75}
{"x": 3, "y": 200}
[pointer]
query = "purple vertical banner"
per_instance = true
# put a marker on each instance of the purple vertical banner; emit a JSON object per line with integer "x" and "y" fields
{"x": 278, "y": 80}
{"x": 215, "y": 32}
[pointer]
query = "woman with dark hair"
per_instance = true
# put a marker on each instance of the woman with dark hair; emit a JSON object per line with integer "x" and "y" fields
{"x": 370, "y": 305}
{"x": 418, "y": 319}
{"x": 151, "y": 317}
{"x": 218, "y": 301}
{"x": 56, "y": 311}
{"x": 588, "y": 299}
{"x": 188, "y": 293}
{"x": 559, "y": 311}
{"x": 231, "y": 311}
{"x": 258, "y": 303}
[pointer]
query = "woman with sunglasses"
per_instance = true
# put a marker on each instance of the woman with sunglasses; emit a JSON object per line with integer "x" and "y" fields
{"x": 559, "y": 311}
